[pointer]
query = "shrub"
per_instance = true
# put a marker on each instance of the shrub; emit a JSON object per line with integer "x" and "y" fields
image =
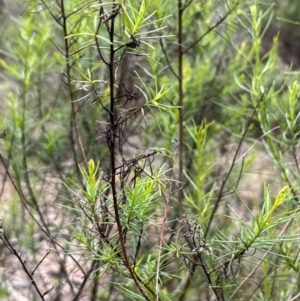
{"x": 150, "y": 152}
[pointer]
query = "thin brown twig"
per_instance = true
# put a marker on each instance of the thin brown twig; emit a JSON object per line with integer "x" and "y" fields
{"x": 224, "y": 181}
{"x": 112, "y": 144}
{"x": 32, "y": 215}
{"x": 167, "y": 59}
{"x": 71, "y": 94}
{"x": 211, "y": 28}
{"x": 6, "y": 241}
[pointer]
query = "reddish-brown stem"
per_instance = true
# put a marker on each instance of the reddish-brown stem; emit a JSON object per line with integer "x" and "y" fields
{"x": 113, "y": 147}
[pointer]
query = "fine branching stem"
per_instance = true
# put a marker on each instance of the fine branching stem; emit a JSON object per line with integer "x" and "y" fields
{"x": 112, "y": 137}
{"x": 180, "y": 108}
{"x": 73, "y": 119}
{"x": 233, "y": 162}
{"x": 127, "y": 152}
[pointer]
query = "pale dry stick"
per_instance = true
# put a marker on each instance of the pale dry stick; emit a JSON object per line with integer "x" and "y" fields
{"x": 180, "y": 51}
{"x": 285, "y": 228}
{"x": 167, "y": 201}
{"x": 295, "y": 298}
{"x": 160, "y": 245}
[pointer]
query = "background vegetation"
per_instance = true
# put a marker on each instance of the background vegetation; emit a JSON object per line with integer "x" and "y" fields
{"x": 149, "y": 150}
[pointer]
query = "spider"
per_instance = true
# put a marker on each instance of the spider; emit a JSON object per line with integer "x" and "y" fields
{"x": 132, "y": 44}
